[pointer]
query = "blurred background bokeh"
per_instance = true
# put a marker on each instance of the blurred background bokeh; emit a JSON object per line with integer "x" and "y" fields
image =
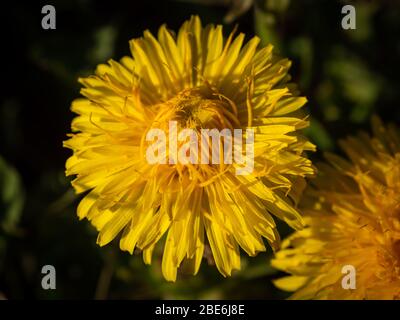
{"x": 347, "y": 75}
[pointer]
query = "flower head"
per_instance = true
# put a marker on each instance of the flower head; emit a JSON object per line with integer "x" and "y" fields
{"x": 353, "y": 215}
{"x": 194, "y": 80}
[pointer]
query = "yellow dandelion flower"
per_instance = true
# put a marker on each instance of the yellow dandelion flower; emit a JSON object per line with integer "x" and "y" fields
{"x": 196, "y": 80}
{"x": 352, "y": 211}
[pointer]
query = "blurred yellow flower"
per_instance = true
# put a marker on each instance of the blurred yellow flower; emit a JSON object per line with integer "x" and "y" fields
{"x": 197, "y": 79}
{"x": 352, "y": 211}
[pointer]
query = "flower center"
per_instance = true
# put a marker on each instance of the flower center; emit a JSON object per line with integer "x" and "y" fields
{"x": 198, "y": 132}
{"x": 201, "y": 107}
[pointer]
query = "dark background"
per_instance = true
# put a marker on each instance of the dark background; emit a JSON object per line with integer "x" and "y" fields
{"x": 347, "y": 75}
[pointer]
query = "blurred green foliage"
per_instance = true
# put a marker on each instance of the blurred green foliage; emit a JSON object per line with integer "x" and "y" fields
{"x": 346, "y": 75}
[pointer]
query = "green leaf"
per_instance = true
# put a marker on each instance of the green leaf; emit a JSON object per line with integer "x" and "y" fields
{"x": 104, "y": 44}
{"x": 265, "y": 24}
{"x": 12, "y": 196}
{"x": 319, "y": 135}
